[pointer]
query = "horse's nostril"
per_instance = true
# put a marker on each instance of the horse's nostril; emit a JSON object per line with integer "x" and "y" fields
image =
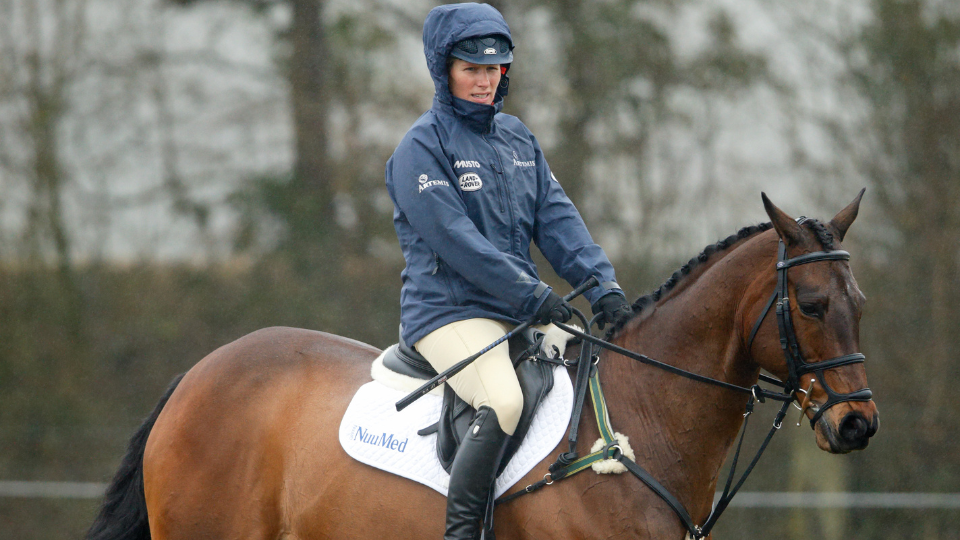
{"x": 854, "y": 428}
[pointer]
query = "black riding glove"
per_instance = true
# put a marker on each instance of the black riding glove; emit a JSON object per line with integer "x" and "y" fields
{"x": 554, "y": 309}
{"x": 614, "y": 307}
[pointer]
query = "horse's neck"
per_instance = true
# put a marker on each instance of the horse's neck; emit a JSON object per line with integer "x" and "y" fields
{"x": 682, "y": 429}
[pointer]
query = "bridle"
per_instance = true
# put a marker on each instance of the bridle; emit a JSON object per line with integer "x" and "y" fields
{"x": 569, "y": 463}
{"x": 796, "y": 365}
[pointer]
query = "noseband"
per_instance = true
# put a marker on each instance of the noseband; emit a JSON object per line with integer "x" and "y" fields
{"x": 796, "y": 365}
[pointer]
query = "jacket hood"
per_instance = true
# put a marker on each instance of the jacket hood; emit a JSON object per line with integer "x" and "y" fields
{"x": 445, "y": 26}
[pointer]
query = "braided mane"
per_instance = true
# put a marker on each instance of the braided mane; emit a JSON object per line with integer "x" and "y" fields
{"x": 824, "y": 236}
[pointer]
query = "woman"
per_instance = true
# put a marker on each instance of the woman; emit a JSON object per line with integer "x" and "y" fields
{"x": 471, "y": 190}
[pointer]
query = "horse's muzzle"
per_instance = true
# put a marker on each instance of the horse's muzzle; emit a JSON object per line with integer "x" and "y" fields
{"x": 853, "y": 432}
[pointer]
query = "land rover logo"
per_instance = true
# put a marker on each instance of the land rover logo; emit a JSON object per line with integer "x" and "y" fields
{"x": 490, "y": 50}
{"x": 470, "y": 182}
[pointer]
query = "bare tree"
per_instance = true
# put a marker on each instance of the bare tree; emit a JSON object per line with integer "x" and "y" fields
{"x": 39, "y": 41}
{"x": 912, "y": 89}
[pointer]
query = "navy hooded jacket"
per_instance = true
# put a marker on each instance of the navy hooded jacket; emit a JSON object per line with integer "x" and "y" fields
{"x": 471, "y": 189}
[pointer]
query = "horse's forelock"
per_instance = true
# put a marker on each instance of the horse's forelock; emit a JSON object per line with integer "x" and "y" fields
{"x": 823, "y": 234}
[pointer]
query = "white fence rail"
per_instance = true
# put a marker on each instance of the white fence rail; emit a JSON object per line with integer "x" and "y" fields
{"x": 51, "y": 490}
{"x": 905, "y": 500}
{"x": 747, "y": 499}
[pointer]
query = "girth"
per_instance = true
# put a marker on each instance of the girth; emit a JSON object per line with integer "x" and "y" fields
{"x": 796, "y": 365}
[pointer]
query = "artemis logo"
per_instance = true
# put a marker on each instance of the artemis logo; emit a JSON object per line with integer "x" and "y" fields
{"x": 425, "y": 182}
{"x": 464, "y": 164}
{"x": 470, "y": 182}
{"x": 518, "y": 163}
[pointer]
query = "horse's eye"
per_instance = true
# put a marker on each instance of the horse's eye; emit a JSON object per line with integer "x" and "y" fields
{"x": 812, "y": 309}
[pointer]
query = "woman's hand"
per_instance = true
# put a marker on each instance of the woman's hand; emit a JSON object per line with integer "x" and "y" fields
{"x": 614, "y": 307}
{"x": 554, "y": 309}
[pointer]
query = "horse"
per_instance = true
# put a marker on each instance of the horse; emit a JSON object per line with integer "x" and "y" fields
{"x": 245, "y": 445}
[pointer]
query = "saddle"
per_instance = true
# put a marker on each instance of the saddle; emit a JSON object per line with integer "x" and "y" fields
{"x": 534, "y": 373}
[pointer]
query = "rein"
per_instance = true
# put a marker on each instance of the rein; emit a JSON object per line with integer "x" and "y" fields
{"x": 568, "y": 463}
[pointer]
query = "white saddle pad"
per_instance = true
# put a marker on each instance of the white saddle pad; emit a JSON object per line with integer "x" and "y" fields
{"x": 373, "y": 432}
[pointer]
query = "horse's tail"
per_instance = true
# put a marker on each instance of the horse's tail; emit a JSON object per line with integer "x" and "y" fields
{"x": 123, "y": 515}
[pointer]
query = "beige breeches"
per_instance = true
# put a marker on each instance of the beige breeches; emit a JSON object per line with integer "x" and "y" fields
{"x": 490, "y": 380}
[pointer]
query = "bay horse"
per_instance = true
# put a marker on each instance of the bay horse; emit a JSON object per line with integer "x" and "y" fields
{"x": 245, "y": 444}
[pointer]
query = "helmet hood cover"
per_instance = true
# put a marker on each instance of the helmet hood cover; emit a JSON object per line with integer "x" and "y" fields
{"x": 447, "y": 26}
{"x": 493, "y": 49}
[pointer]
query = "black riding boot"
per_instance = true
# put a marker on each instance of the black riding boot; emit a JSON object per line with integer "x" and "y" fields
{"x": 472, "y": 475}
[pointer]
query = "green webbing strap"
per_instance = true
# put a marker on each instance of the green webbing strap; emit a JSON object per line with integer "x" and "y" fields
{"x": 602, "y": 415}
{"x": 600, "y": 408}
{"x": 603, "y": 423}
{"x": 581, "y": 464}
{"x": 611, "y": 450}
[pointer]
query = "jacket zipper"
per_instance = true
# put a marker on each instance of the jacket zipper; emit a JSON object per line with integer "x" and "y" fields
{"x": 499, "y": 173}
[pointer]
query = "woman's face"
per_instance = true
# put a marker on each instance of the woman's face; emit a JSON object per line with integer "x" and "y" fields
{"x": 474, "y": 82}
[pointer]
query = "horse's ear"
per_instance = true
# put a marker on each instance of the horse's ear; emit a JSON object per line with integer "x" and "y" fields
{"x": 786, "y": 226}
{"x": 841, "y": 222}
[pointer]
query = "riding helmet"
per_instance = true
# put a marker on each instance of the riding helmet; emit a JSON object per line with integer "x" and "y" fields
{"x": 492, "y": 49}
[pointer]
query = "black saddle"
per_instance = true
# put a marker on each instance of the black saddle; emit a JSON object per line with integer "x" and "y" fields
{"x": 536, "y": 381}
